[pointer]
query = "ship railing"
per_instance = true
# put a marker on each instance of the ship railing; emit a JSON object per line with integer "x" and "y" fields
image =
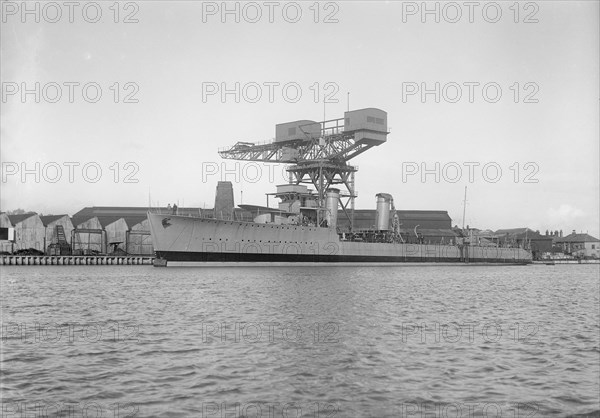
{"x": 168, "y": 211}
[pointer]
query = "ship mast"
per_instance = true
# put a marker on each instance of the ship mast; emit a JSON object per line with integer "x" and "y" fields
{"x": 464, "y": 209}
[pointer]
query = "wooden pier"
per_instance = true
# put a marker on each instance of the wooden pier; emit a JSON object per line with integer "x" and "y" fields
{"x": 68, "y": 260}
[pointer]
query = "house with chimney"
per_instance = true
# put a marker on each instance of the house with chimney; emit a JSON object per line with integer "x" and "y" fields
{"x": 579, "y": 245}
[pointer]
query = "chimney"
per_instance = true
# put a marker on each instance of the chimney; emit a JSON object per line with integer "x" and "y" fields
{"x": 224, "y": 200}
{"x": 561, "y": 233}
{"x": 574, "y": 232}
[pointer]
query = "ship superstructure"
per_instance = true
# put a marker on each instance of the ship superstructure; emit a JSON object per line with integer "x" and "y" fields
{"x": 304, "y": 227}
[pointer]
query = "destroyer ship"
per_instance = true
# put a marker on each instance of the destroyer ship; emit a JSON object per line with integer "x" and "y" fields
{"x": 305, "y": 228}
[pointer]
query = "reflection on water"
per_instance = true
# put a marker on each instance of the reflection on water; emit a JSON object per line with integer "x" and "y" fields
{"x": 330, "y": 341}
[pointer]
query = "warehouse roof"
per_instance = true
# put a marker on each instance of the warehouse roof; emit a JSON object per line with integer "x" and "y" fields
{"x": 92, "y": 211}
{"x": 130, "y": 220}
{"x": 134, "y": 220}
{"x": 107, "y": 220}
{"x": 79, "y": 219}
{"x": 15, "y": 219}
{"x": 48, "y": 219}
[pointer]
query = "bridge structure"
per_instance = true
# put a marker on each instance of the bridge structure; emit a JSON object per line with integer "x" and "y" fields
{"x": 317, "y": 153}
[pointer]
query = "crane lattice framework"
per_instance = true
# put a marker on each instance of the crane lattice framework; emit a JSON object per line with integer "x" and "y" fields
{"x": 319, "y": 151}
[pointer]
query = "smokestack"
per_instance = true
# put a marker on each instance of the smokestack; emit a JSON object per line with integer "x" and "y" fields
{"x": 383, "y": 211}
{"x": 331, "y": 203}
{"x": 224, "y": 200}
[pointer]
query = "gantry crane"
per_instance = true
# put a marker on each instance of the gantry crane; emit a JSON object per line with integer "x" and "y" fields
{"x": 319, "y": 151}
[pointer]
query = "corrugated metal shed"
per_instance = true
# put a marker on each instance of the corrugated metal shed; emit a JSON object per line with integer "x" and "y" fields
{"x": 116, "y": 232}
{"x": 5, "y": 246}
{"x": 5, "y": 221}
{"x": 126, "y": 225}
{"x": 88, "y": 235}
{"x": 29, "y": 231}
{"x": 51, "y": 221}
{"x": 139, "y": 240}
{"x": 15, "y": 219}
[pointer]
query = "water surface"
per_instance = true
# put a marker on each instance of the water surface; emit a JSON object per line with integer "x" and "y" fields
{"x": 316, "y": 341}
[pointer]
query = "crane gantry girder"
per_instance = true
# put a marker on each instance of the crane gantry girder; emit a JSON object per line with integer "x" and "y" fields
{"x": 338, "y": 147}
{"x": 323, "y": 175}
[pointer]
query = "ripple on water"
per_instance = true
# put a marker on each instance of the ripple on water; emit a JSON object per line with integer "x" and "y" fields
{"x": 376, "y": 363}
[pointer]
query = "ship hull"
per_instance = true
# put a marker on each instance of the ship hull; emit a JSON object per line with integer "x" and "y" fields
{"x": 182, "y": 239}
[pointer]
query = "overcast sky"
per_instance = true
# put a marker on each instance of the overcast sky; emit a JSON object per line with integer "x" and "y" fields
{"x": 537, "y": 119}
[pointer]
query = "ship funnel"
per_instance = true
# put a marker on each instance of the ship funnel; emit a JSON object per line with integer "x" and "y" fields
{"x": 384, "y": 202}
{"x": 331, "y": 203}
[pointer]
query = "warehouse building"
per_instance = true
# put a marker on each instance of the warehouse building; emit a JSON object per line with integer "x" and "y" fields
{"x": 4, "y": 221}
{"x": 115, "y": 231}
{"x": 123, "y": 230}
{"x": 59, "y": 229}
{"x": 88, "y": 237}
{"x": 126, "y": 229}
{"x": 7, "y": 238}
{"x": 139, "y": 240}
{"x": 29, "y": 231}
